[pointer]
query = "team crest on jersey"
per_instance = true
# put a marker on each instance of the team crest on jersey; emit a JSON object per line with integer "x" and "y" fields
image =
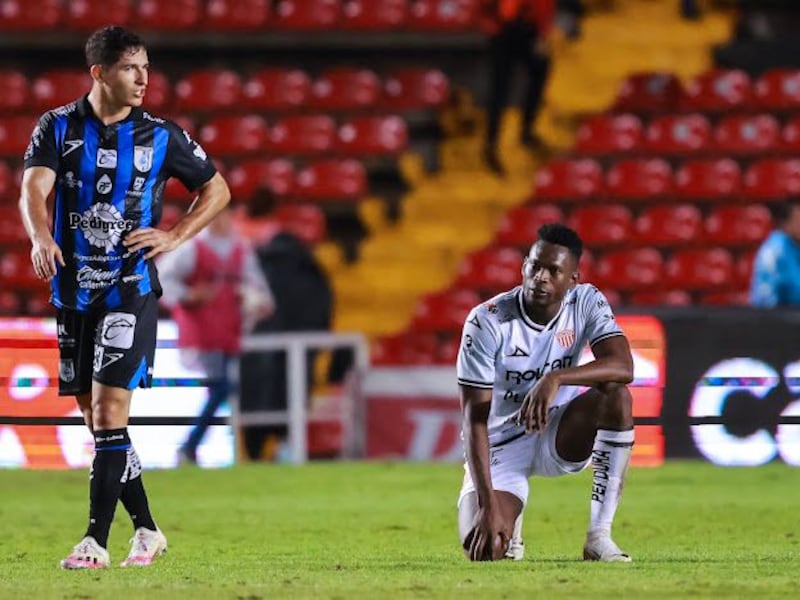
{"x": 143, "y": 158}
{"x": 566, "y": 338}
{"x": 66, "y": 370}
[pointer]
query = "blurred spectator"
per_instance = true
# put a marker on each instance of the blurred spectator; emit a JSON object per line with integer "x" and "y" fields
{"x": 568, "y": 18}
{"x": 216, "y": 290}
{"x": 518, "y": 32}
{"x": 776, "y": 270}
{"x": 690, "y": 10}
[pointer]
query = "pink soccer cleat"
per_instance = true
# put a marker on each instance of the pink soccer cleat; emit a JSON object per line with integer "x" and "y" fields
{"x": 146, "y": 546}
{"x": 87, "y": 554}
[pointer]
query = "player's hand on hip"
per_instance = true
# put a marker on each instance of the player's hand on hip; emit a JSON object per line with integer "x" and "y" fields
{"x": 533, "y": 413}
{"x": 44, "y": 255}
{"x": 156, "y": 240}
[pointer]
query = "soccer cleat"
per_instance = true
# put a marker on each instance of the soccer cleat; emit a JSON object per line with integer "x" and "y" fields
{"x": 602, "y": 548}
{"x": 87, "y": 554}
{"x": 516, "y": 549}
{"x": 146, "y": 546}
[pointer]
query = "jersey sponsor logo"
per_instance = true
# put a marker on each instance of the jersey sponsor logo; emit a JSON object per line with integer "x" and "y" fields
{"x": 102, "y": 359}
{"x": 518, "y": 352}
{"x": 143, "y": 158}
{"x": 102, "y": 225}
{"x": 107, "y": 158}
{"x": 71, "y": 182}
{"x": 199, "y": 152}
{"x": 66, "y": 370}
{"x": 90, "y": 278}
{"x": 518, "y": 377}
{"x": 566, "y": 338}
{"x": 474, "y": 321}
{"x": 138, "y": 184}
{"x": 71, "y": 145}
{"x": 104, "y": 185}
{"x": 117, "y": 330}
{"x": 150, "y": 117}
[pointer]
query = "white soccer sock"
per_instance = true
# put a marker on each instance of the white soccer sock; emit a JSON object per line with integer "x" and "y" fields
{"x": 517, "y": 535}
{"x": 610, "y": 457}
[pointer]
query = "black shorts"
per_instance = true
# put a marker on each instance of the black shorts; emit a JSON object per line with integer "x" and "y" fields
{"x": 114, "y": 347}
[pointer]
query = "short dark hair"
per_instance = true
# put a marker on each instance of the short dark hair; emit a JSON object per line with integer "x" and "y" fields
{"x": 556, "y": 233}
{"x": 781, "y": 211}
{"x": 107, "y": 45}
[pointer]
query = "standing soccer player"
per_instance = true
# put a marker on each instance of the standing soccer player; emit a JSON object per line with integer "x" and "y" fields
{"x": 108, "y": 161}
{"x": 522, "y": 412}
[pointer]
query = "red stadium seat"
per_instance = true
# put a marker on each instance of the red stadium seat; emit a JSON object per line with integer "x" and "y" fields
{"x": 344, "y": 88}
{"x": 718, "y": 90}
{"x": 746, "y": 134}
{"x": 649, "y": 93}
{"x": 303, "y": 134}
{"x": 772, "y": 179}
{"x": 447, "y": 351}
{"x": 696, "y": 269}
{"x": 16, "y": 271}
{"x": 29, "y": 15}
{"x": 778, "y": 89}
{"x": 491, "y": 270}
{"x": 12, "y": 233}
{"x": 602, "y": 225}
{"x": 519, "y": 226}
{"x": 306, "y": 221}
{"x": 708, "y": 179}
{"x": 410, "y": 89}
{"x": 669, "y": 225}
{"x": 744, "y": 269}
{"x": 88, "y": 15}
{"x": 15, "y": 134}
{"x": 174, "y": 15}
{"x": 634, "y": 269}
{"x": 404, "y": 349}
{"x": 372, "y": 136}
{"x": 331, "y": 180}
{"x": 443, "y": 14}
{"x": 660, "y": 298}
{"x": 9, "y": 304}
{"x": 247, "y": 178}
{"x": 56, "y": 88}
{"x": 6, "y": 181}
{"x": 733, "y": 225}
{"x": 374, "y": 15}
{"x": 790, "y": 136}
{"x": 684, "y": 134}
{"x": 639, "y": 179}
{"x": 277, "y": 89}
{"x": 726, "y": 298}
{"x": 159, "y": 92}
{"x": 569, "y": 180}
{"x": 15, "y": 90}
{"x": 234, "y": 135}
{"x": 208, "y": 89}
{"x": 609, "y": 134}
{"x": 444, "y": 311}
{"x": 307, "y": 14}
{"x": 236, "y": 15}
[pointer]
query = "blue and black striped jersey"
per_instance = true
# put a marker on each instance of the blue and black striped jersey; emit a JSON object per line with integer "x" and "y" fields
{"x": 109, "y": 181}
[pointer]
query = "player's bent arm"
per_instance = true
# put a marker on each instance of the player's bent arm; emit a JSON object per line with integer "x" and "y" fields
{"x": 37, "y": 183}
{"x": 612, "y": 363}
{"x": 475, "y": 405}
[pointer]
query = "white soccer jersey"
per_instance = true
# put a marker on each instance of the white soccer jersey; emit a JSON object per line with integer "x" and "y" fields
{"x": 504, "y": 350}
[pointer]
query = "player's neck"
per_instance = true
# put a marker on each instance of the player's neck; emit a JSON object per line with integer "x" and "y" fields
{"x": 541, "y": 315}
{"x": 106, "y": 111}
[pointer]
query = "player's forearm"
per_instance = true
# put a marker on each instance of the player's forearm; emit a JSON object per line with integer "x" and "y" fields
{"x": 476, "y": 445}
{"x": 33, "y": 208}
{"x": 596, "y": 372}
{"x": 214, "y": 196}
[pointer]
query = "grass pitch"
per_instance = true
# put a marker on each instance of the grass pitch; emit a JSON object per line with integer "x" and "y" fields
{"x": 376, "y": 530}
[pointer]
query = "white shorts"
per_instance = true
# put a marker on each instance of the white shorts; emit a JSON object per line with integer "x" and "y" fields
{"x": 512, "y": 463}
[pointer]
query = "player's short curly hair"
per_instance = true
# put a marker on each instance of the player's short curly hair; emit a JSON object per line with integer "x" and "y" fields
{"x": 556, "y": 233}
{"x": 107, "y": 45}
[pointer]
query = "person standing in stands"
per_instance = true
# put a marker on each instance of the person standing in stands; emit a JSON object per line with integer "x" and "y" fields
{"x": 776, "y": 270}
{"x": 518, "y": 32}
{"x": 216, "y": 290}
{"x": 108, "y": 161}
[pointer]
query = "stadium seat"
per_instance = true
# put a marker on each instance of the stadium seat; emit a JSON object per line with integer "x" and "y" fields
{"x": 609, "y": 134}
{"x": 743, "y": 271}
{"x": 726, "y": 298}
{"x": 697, "y": 269}
{"x": 772, "y": 179}
{"x": 519, "y": 226}
{"x": 159, "y": 92}
{"x": 88, "y": 15}
{"x": 681, "y": 134}
{"x": 12, "y": 233}
{"x": 639, "y": 179}
{"x": 602, "y": 225}
{"x": 303, "y": 134}
{"x": 245, "y": 179}
{"x": 375, "y": 136}
{"x": 632, "y": 269}
{"x": 490, "y": 270}
{"x": 374, "y": 15}
{"x": 444, "y": 311}
{"x": 6, "y": 182}
{"x": 9, "y": 303}
{"x": 16, "y": 270}
{"x": 306, "y": 221}
{"x": 414, "y": 88}
{"x": 56, "y": 88}
{"x": 15, "y": 134}
{"x": 660, "y": 298}
{"x": 276, "y": 89}
{"x": 307, "y": 14}
{"x": 790, "y": 136}
{"x": 404, "y": 349}
{"x": 718, "y": 90}
{"x": 27, "y": 15}
{"x": 447, "y": 350}
{"x": 345, "y": 88}
{"x": 649, "y": 93}
{"x": 226, "y": 135}
{"x": 443, "y": 14}
{"x": 778, "y": 89}
{"x": 331, "y": 180}
{"x": 708, "y": 180}
{"x": 669, "y": 225}
{"x": 236, "y": 15}
{"x": 733, "y": 225}
{"x": 174, "y": 15}
{"x": 747, "y": 134}
{"x": 15, "y": 91}
{"x": 569, "y": 180}
{"x": 208, "y": 89}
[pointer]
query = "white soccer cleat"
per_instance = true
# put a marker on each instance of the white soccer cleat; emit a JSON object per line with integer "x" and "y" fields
{"x": 87, "y": 554}
{"x": 516, "y": 549}
{"x": 146, "y": 546}
{"x": 602, "y": 548}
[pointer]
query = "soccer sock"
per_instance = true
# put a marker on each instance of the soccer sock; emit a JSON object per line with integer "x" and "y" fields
{"x": 107, "y": 479}
{"x": 517, "y": 535}
{"x": 133, "y": 496}
{"x": 610, "y": 457}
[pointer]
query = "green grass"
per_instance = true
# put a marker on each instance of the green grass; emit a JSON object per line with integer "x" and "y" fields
{"x": 344, "y": 530}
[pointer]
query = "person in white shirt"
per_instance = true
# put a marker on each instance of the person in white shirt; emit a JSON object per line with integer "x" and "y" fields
{"x": 526, "y": 409}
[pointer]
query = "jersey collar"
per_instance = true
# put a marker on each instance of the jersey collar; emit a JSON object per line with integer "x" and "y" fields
{"x": 536, "y": 326}
{"x": 85, "y": 111}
